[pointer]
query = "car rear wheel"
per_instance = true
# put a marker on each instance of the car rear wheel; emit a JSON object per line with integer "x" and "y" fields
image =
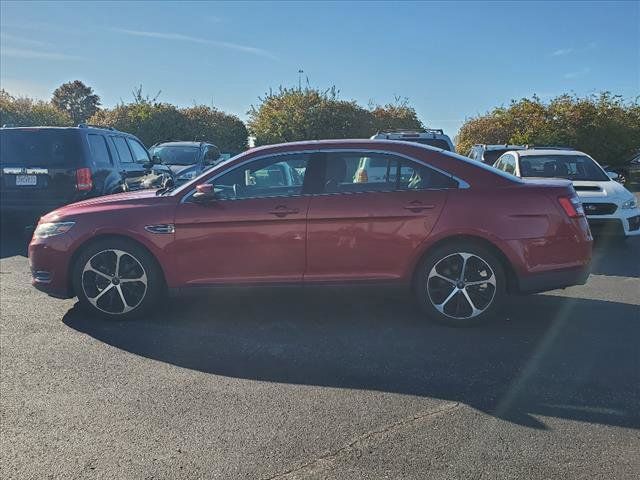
{"x": 117, "y": 279}
{"x": 460, "y": 285}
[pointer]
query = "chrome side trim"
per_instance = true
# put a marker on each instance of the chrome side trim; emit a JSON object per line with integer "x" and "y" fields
{"x": 461, "y": 183}
{"x": 162, "y": 228}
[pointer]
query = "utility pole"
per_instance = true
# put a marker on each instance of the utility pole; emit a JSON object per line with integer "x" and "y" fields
{"x": 300, "y": 72}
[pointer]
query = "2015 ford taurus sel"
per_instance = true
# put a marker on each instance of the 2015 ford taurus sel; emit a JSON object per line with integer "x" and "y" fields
{"x": 461, "y": 233}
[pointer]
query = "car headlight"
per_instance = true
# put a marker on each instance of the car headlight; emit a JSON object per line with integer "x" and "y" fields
{"x": 45, "y": 230}
{"x": 188, "y": 176}
{"x": 631, "y": 203}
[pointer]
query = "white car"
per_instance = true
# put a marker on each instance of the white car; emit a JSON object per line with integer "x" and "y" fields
{"x": 610, "y": 208}
{"x": 433, "y": 137}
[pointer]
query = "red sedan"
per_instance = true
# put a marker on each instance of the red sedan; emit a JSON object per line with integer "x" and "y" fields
{"x": 460, "y": 233}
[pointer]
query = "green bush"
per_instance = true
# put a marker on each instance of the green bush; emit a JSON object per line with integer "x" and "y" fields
{"x": 27, "y": 112}
{"x": 604, "y": 126}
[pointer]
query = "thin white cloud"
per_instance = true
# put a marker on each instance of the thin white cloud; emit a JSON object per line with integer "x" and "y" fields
{"x": 562, "y": 51}
{"x": 35, "y": 54}
{"x": 5, "y": 37}
{"x": 186, "y": 38}
{"x": 578, "y": 73}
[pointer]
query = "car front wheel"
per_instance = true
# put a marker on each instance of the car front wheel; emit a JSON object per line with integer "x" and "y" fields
{"x": 460, "y": 285}
{"x": 117, "y": 279}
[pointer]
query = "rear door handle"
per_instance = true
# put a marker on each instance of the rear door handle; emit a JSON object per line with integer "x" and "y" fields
{"x": 418, "y": 206}
{"x": 283, "y": 211}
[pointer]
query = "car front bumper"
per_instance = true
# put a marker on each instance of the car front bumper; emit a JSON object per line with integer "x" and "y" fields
{"x": 49, "y": 263}
{"x": 623, "y": 222}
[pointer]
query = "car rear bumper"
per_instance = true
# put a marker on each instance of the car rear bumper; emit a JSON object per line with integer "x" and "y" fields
{"x": 545, "y": 281}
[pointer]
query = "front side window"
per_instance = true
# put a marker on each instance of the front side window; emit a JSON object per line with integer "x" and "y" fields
{"x": 379, "y": 172}
{"x": 140, "y": 153}
{"x": 123, "y": 151}
{"x": 277, "y": 176}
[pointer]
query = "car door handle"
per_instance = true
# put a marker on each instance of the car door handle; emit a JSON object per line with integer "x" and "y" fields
{"x": 418, "y": 206}
{"x": 283, "y": 211}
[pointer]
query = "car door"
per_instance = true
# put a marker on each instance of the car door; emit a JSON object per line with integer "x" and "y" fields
{"x": 253, "y": 232}
{"x": 104, "y": 179}
{"x": 141, "y": 165}
{"x": 360, "y": 229}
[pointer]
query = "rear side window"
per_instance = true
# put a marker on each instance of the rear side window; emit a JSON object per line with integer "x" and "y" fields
{"x": 140, "y": 153}
{"x": 123, "y": 150}
{"x": 376, "y": 172}
{"x": 40, "y": 148}
{"x": 99, "y": 151}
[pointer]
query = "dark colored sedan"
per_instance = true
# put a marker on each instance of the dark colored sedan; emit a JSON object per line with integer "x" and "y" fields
{"x": 461, "y": 234}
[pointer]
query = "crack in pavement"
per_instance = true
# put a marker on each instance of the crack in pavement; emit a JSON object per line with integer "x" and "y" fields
{"x": 327, "y": 458}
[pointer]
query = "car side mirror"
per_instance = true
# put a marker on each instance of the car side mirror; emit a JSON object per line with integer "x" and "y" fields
{"x": 613, "y": 176}
{"x": 205, "y": 193}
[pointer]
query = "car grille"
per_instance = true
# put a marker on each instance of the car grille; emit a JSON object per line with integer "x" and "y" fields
{"x": 599, "y": 208}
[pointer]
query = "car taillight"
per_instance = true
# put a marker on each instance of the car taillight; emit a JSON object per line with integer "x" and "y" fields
{"x": 84, "y": 182}
{"x": 571, "y": 206}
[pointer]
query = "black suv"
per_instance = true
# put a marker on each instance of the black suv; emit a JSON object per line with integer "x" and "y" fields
{"x": 44, "y": 168}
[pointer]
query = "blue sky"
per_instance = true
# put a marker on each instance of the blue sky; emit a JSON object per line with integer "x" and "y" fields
{"x": 452, "y": 60}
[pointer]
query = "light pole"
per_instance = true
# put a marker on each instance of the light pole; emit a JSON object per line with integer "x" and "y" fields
{"x": 300, "y": 72}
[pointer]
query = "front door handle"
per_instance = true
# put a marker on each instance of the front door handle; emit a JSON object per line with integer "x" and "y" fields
{"x": 283, "y": 211}
{"x": 418, "y": 206}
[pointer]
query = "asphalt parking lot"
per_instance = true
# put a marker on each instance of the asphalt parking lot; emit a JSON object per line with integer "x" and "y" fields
{"x": 348, "y": 383}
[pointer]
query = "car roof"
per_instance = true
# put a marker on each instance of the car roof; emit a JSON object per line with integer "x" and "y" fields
{"x": 184, "y": 143}
{"x": 500, "y": 146}
{"x": 73, "y": 129}
{"x": 548, "y": 151}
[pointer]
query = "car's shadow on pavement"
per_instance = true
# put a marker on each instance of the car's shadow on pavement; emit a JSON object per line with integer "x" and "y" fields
{"x": 617, "y": 257}
{"x": 547, "y": 356}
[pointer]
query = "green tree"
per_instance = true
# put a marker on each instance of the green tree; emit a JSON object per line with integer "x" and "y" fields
{"x": 150, "y": 122}
{"x": 77, "y": 100}
{"x": 393, "y": 116}
{"x": 225, "y": 131}
{"x": 27, "y": 112}
{"x": 310, "y": 114}
{"x": 603, "y": 125}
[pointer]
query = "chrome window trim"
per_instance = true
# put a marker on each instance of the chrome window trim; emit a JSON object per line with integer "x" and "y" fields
{"x": 462, "y": 185}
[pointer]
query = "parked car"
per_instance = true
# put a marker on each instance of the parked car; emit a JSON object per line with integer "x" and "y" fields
{"x": 490, "y": 153}
{"x": 44, "y": 168}
{"x": 184, "y": 161}
{"x": 461, "y": 233}
{"x": 433, "y": 137}
{"x": 610, "y": 208}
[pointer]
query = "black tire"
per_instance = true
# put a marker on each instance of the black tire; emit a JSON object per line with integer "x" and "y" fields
{"x": 123, "y": 296}
{"x": 483, "y": 289}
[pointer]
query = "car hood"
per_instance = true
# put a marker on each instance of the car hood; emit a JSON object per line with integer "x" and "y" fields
{"x": 119, "y": 202}
{"x": 603, "y": 191}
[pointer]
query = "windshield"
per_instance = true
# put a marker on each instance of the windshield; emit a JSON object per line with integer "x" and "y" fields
{"x": 39, "y": 147}
{"x": 490, "y": 156}
{"x": 177, "y": 155}
{"x": 571, "y": 167}
{"x": 434, "y": 142}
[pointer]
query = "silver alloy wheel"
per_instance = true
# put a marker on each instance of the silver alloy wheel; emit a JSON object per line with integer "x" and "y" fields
{"x": 461, "y": 285}
{"x": 114, "y": 281}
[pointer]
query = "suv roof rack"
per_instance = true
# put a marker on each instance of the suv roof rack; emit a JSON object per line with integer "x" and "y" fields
{"x": 91, "y": 125}
{"x": 412, "y": 130}
{"x": 546, "y": 147}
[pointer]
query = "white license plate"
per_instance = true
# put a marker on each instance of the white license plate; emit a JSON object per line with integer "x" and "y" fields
{"x": 24, "y": 180}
